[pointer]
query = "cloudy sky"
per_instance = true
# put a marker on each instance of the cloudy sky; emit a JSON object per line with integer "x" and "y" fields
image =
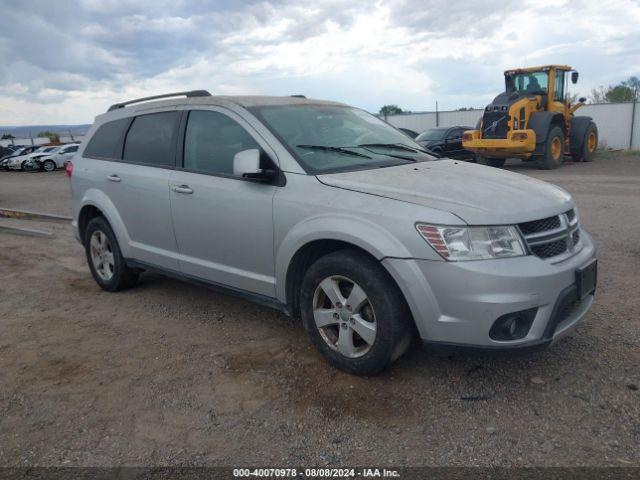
{"x": 67, "y": 61}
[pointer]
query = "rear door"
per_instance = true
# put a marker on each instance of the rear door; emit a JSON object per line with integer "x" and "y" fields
{"x": 223, "y": 223}
{"x": 136, "y": 180}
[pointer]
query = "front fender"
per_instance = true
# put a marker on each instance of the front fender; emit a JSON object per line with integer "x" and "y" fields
{"x": 352, "y": 229}
{"x": 102, "y": 202}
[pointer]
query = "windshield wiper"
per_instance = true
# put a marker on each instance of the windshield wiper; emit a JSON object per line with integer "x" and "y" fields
{"x": 396, "y": 146}
{"x": 327, "y": 148}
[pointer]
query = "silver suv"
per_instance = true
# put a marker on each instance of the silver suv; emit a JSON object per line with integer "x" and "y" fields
{"x": 326, "y": 212}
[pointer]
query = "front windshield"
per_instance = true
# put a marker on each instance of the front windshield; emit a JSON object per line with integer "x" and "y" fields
{"x": 18, "y": 152}
{"x": 529, "y": 83}
{"x": 431, "y": 134}
{"x": 333, "y": 138}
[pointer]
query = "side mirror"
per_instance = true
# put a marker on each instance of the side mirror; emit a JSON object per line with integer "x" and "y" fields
{"x": 574, "y": 77}
{"x": 246, "y": 164}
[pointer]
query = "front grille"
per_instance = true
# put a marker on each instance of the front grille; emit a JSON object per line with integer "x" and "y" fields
{"x": 552, "y": 236}
{"x": 552, "y": 249}
{"x": 495, "y": 124}
{"x": 543, "y": 225}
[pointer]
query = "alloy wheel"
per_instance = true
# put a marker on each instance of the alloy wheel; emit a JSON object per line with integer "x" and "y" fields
{"x": 102, "y": 255}
{"x": 344, "y": 316}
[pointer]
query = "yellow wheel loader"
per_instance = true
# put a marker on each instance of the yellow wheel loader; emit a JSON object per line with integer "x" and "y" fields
{"x": 532, "y": 120}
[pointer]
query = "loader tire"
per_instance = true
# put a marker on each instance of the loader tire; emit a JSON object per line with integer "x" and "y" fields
{"x": 553, "y": 149}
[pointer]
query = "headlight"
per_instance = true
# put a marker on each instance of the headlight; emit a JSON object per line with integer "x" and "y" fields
{"x": 473, "y": 243}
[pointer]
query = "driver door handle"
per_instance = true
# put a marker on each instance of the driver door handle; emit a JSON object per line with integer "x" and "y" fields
{"x": 114, "y": 178}
{"x": 185, "y": 189}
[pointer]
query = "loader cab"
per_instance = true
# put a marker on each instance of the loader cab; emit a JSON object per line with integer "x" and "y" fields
{"x": 548, "y": 84}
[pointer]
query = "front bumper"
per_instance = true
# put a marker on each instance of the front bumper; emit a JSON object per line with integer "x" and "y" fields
{"x": 519, "y": 144}
{"x": 456, "y": 303}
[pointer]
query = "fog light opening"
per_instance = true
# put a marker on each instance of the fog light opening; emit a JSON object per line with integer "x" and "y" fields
{"x": 513, "y": 326}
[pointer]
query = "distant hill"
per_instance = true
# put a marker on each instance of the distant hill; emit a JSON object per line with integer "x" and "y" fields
{"x": 28, "y": 130}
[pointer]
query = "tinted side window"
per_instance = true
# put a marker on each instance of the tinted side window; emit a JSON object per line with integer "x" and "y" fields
{"x": 104, "y": 142}
{"x": 71, "y": 149}
{"x": 151, "y": 139}
{"x": 211, "y": 141}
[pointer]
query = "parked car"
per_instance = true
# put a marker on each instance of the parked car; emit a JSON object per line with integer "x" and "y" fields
{"x": 20, "y": 152}
{"x": 446, "y": 142}
{"x": 20, "y": 162}
{"x": 326, "y": 212}
{"x": 57, "y": 158}
{"x": 410, "y": 133}
{"x": 6, "y": 151}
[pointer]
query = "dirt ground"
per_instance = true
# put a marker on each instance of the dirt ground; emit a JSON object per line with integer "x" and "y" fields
{"x": 172, "y": 374}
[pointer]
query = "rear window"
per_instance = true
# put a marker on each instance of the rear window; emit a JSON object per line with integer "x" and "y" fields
{"x": 104, "y": 142}
{"x": 151, "y": 139}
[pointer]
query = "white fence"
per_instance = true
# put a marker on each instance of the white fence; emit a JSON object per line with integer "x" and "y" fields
{"x": 613, "y": 121}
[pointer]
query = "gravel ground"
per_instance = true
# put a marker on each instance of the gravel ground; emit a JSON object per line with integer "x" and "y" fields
{"x": 173, "y": 374}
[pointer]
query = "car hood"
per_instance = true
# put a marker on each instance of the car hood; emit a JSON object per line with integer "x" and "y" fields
{"x": 477, "y": 194}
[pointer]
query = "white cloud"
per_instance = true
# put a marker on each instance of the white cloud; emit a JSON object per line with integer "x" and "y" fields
{"x": 69, "y": 65}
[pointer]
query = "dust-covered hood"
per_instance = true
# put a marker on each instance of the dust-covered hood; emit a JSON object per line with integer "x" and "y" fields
{"x": 478, "y": 194}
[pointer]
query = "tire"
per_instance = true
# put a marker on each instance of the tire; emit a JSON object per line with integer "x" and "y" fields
{"x": 49, "y": 166}
{"x": 22, "y": 166}
{"x": 117, "y": 275}
{"x": 383, "y": 312}
{"x": 495, "y": 162}
{"x": 589, "y": 143}
{"x": 553, "y": 149}
{"x": 473, "y": 158}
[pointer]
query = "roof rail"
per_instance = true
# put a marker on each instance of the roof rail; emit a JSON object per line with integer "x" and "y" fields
{"x": 191, "y": 93}
{"x": 298, "y": 96}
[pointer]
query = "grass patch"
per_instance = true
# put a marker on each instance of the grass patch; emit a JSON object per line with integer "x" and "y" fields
{"x": 617, "y": 153}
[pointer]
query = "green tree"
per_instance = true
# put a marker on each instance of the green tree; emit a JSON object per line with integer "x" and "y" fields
{"x": 52, "y": 136}
{"x": 634, "y": 84}
{"x": 625, "y": 91}
{"x": 7, "y": 136}
{"x": 619, "y": 93}
{"x": 387, "y": 110}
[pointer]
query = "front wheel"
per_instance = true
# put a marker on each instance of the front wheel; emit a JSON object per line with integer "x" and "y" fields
{"x": 553, "y": 149}
{"x": 354, "y": 312}
{"x": 49, "y": 166}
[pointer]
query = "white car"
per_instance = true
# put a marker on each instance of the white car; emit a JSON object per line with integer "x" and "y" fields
{"x": 58, "y": 158}
{"x": 19, "y": 162}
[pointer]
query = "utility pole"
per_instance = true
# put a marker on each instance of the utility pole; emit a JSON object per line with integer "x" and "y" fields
{"x": 633, "y": 117}
{"x": 437, "y": 115}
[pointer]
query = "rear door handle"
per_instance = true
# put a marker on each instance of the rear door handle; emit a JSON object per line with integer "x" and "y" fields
{"x": 114, "y": 178}
{"x": 182, "y": 189}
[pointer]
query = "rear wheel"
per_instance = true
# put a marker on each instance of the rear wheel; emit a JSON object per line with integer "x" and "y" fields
{"x": 590, "y": 143}
{"x": 105, "y": 260}
{"x": 354, "y": 313}
{"x": 554, "y": 149}
{"x": 495, "y": 162}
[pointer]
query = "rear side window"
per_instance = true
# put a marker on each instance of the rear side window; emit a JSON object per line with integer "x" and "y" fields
{"x": 104, "y": 142}
{"x": 151, "y": 139}
{"x": 71, "y": 149}
{"x": 211, "y": 141}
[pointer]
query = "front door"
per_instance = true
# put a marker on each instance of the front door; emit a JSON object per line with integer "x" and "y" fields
{"x": 223, "y": 224}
